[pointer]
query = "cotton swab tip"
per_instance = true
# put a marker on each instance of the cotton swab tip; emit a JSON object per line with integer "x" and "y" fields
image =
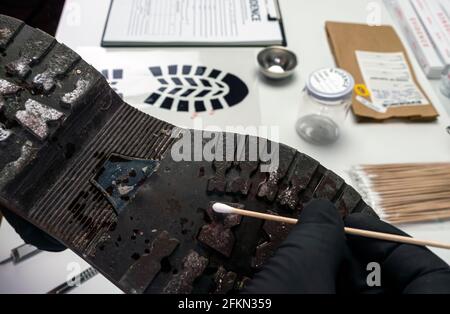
{"x": 222, "y": 208}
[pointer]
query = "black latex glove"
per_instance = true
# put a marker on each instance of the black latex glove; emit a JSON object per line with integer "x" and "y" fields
{"x": 308, "y": 261}
{"x": 404, "y": 268}
{"x": 32, "y": 235}
{"x": 317, "y": 258}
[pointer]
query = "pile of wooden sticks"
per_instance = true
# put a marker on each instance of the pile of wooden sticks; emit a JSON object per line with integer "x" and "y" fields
{"x": 406, "y": 193}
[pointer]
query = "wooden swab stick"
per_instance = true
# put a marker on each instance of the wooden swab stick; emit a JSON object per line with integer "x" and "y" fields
{"x": 406, "y": 193}
{"x": 225, "y": 209}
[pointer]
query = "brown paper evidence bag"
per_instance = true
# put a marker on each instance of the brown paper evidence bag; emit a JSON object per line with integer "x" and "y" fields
{"x": 346, "y": 38}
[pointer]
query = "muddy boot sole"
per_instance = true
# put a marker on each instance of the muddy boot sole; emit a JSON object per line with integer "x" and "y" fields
{"x": 99, "y": 176}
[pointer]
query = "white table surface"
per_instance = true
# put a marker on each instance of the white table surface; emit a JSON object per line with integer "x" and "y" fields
{"x": 82, "y": 25}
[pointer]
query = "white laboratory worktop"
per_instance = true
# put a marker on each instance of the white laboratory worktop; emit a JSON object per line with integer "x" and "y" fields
{"x": 82, "y": 25}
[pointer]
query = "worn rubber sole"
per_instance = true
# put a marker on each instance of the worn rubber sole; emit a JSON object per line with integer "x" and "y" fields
{"x": 98, "y": 175}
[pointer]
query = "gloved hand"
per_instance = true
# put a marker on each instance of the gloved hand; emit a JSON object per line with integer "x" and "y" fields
{"x": 32, "y": 235}
{"x": 404, "y": 268}
{"x": 317, "y": 257}
{"x": 309, "y": 260}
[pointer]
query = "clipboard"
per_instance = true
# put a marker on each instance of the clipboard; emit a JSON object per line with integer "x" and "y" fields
{"x": 273, "y": 14}
{"x": 346, "y": 38}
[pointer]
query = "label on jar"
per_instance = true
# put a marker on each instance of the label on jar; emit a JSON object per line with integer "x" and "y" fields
{"x": 331, "y": 82}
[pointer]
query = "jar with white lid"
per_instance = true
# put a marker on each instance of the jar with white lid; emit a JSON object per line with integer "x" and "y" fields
{"x": 326, "y": 100}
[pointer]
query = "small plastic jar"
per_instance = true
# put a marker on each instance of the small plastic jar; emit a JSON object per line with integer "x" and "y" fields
{"x": 325, "y": 103}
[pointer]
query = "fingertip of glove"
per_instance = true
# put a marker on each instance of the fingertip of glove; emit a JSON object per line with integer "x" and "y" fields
{"x": 358, "y": 219}
{"x": 320, "y": 210}
{"x": 366, "y": 222}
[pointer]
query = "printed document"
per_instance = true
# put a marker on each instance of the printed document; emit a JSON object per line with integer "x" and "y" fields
{"x": 193, "y": 22}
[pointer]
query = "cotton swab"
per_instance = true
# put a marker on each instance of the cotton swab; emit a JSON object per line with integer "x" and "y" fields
{"x": 405, "y": 193}
{"x": 225, "y": 209}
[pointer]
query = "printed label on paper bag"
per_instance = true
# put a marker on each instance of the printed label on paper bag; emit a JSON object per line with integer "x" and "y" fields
{"x": 389, "y": 79}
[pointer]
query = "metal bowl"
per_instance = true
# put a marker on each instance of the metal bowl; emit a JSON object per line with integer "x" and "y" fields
{"x": 277, "y": 62}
